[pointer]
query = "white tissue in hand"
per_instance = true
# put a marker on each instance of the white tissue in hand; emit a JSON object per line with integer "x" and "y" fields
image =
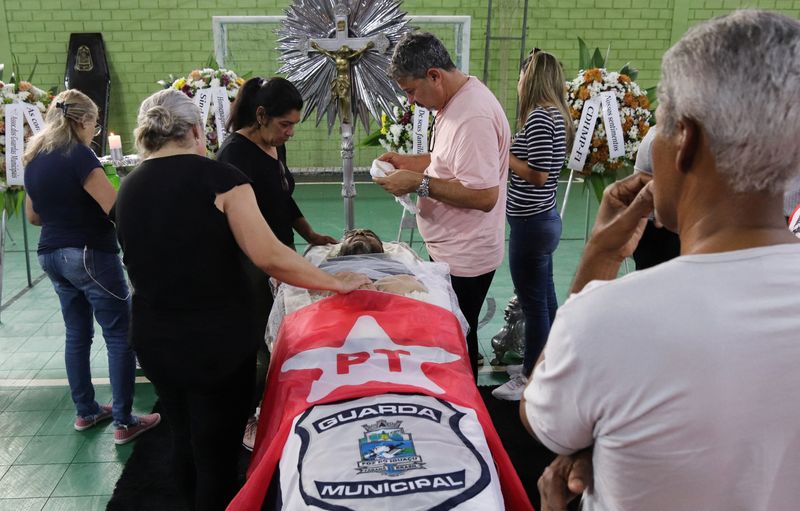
{"x": 379, "y": 169}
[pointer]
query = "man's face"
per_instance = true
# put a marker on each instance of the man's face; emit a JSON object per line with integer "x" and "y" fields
{"x": 666, "y": 179}
{"x": 425, "y": 92}
{"x": 361, "y": 241}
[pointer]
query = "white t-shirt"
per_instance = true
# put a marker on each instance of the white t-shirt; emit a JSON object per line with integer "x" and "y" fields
{"x": 686, "y": 378}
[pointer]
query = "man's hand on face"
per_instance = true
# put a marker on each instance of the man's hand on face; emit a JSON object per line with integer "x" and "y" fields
{"x": 400, "y": 182}
{"x": 565, "y": 478}
{"x": 622, "y": 216}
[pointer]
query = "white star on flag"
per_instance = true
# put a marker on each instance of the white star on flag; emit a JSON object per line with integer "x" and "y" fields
{"x": 368, "y": 354}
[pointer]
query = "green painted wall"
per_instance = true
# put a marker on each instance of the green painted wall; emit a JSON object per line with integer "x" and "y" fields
{"x": 149, "y": 39}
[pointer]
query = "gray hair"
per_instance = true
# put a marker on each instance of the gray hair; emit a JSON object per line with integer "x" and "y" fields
{"x": 416, "y": 53}
{"x": 166, "y": 116}
{"x": 737, "y": 76}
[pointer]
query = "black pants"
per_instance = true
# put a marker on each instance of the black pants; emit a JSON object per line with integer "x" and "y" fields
{"x": 656, "y": 246}
{"x": 207, "y": 423}
{"x": 471, "y": 292}
{"x": 263, "y": 306}
{"x": 262, "y": 301}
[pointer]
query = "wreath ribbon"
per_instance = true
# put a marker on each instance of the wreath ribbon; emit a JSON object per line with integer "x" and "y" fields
{"x": 419, "y": 134}
{"x": 16, "y": 114}
{"x": 604, "y": 104}
{"x": 218, "y": 97}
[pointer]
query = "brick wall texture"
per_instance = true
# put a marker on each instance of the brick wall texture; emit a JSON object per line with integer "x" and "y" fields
{"x": 148, "y": 39}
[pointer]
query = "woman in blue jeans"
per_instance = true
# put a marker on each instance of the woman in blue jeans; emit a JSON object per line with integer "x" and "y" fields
{"x": 69, "y": 195}
{"x": 537, "y": 155}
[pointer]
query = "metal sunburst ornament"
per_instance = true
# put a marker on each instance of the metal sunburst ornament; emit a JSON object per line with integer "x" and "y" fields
{"x": 336, "y": 52}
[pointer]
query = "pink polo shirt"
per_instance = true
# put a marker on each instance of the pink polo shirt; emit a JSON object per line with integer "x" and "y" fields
{"x": 471, "y": 145}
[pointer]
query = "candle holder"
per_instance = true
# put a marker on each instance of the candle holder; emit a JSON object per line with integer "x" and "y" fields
{"x": 116, "y": 154}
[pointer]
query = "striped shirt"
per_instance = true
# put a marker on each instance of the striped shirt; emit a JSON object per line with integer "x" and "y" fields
{"x": 543, "y": 144}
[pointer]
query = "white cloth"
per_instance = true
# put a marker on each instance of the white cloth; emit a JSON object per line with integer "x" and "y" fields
{"x": 685, "y": 378}
{"x": 389, "y": 452}
{"x": 379, "y": 169}
{"x": 434, "y": 276}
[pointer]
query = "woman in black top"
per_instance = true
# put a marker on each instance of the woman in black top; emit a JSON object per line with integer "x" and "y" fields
{"x": 262, "y": 121}
{"x": 183, "y": 221}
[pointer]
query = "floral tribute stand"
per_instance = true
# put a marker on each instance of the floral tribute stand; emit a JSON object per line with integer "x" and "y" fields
{"x": 600, "y": 150}
{"x": 21, "y": 108}
{"x": 212, "y": 89}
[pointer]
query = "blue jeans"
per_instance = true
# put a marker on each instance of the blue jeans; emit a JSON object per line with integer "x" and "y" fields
{"x": 90, "y": 282}
{"x": 530, "y": 253}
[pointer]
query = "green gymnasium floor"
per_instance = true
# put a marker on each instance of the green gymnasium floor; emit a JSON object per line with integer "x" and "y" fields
{"x": 46, "y": 464}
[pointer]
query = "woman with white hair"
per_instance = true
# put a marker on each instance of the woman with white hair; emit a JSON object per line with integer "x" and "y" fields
{"x": 183, "y": 221}
{"x": 70, "y": 197}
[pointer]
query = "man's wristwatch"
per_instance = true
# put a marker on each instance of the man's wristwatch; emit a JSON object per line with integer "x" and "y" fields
{"x": 423, "y": 190}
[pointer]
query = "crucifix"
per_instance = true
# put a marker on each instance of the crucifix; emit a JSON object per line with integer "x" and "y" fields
{"x": 344, "y": 50}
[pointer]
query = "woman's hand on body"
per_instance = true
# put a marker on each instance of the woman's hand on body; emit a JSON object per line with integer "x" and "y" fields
{"x": 349, "y": 281}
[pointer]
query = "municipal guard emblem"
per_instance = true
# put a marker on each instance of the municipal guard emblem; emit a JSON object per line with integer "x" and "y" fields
{"x": 386, "y": 448}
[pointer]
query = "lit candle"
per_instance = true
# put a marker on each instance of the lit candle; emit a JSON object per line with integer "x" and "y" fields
{"x": 114, "y": 141}
{"x": 115, "y": 147}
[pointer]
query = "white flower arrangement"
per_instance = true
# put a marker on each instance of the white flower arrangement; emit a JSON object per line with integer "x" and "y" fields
{"x": 396, "y": 131}
{"x": 9, "y": 93}
{"x": 634, "y": 109}
{"x": 207, "y": 78}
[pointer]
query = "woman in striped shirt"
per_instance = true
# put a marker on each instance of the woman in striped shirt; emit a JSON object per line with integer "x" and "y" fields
{"x": 537, "y": 155}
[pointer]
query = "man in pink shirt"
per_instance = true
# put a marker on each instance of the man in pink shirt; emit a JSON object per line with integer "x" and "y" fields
{"x": 461, "y": 182}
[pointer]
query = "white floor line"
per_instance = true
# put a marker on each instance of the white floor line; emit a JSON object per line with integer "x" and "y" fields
{"x": 55, "y": 382}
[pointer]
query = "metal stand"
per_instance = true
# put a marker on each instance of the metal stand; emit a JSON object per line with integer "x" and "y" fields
{"x": 348, "y": 182}
{"x": 2, "y": 253}
{"x": 566, "y": 193}
{"x": 586, "y": 222}
{"x": 570, "y": 182}
{"x": 408, "y": 222}
{"x": 27, "y": 250}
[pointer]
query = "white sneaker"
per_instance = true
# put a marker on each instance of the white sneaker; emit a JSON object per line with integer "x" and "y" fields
{"x": 514, "y": 370}
{"x": 511, "y": 390}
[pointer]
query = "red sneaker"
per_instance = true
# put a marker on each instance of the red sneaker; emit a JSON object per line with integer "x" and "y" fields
{"x": 124, "y": 434}
{"x": 82, "y": 423}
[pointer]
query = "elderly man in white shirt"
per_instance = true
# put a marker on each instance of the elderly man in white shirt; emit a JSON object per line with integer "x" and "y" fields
{"x": 679, "y": 383}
